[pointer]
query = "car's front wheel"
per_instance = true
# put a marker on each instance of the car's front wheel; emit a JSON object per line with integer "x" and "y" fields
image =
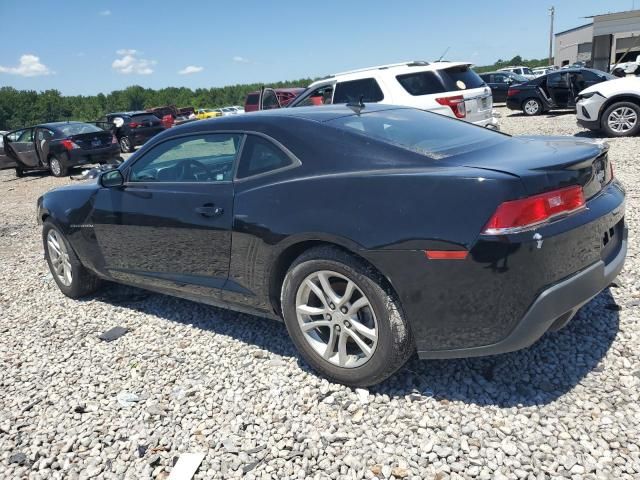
{"x": 73, "y": 279}
{"x": 532, "y": 106}
{"x": 621, "y": 119}
{"x": 342, "y": 318}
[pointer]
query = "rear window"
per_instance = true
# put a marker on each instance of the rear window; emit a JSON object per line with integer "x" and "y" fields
{"x": 439, "y": 81}
{"x": 78, "y": 128}
{"x": 252, "y": 99}
{"x": 144, "y": 117}
{"x": 351, "y": 91}
{"x": 422, "y": 132}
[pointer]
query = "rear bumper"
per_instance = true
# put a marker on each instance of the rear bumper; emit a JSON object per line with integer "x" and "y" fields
{"x": 554, "y": 307}
{"x": 99, "y": 155}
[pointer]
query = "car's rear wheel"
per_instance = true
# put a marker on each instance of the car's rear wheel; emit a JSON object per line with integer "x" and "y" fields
{"x": 125, "y": 145}
{"x": 621, "y": 119}
{"x": 532, "y": 106}
{"x": 343, "y": 319}
{"x": 57, "y": 168}
{"x": 73, "y": 279}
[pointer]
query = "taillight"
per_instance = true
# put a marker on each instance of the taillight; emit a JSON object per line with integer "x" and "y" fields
{"x": 518, "y": 215}
{"x": 512, "y": 91}
{"x": 69, "y": 144}
{"x": 456, "y": 104}
{"x": 134, "y": 124}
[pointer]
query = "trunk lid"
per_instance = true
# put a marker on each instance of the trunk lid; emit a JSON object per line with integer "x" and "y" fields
{"x": 92, "y": 140}
{"x": 546, "y": 163}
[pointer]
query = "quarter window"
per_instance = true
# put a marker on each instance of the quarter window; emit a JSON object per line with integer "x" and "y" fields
{"x": 365, "y": 88}
{"x": 259, "y": 155}
{"x": 198, "y": 158}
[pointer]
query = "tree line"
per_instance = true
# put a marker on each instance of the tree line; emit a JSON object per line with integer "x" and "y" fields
{"x": 22, "y": 108}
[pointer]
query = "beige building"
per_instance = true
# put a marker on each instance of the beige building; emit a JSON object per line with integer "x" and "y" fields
{"x": 605, "y": 41}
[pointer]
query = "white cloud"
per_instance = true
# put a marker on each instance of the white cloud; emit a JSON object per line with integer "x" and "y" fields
{"x": 239, "y": 59}
{"x": 188, "y": 70}
{"x": 130, "y": 62}
{"x": 105, "y": 13}
{"x": 30, "y": 66}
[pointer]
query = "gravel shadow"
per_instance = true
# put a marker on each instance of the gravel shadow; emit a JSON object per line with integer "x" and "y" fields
{"x": 534, "y": 376}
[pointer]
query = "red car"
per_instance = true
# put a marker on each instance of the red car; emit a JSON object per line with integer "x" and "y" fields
{"x": 271, "y": 98}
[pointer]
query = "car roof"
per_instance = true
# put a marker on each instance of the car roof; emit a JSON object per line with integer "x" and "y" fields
{"x": 57, "y": 124}
{"x": 391, "y": 69}
{"x": 136, "y": 112}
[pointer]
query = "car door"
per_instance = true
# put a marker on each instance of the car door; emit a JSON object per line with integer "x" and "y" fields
{"x": 19, "y": 145}
{"x": 499, "y": 86}
{"x": 5, "y": 160}
{"x": 559, "y": 89}
{"x": 169, "y": 225}
{"x": 43, "y": 136}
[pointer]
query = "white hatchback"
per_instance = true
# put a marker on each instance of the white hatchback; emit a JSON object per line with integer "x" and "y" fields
{"x": 448, "y": 88}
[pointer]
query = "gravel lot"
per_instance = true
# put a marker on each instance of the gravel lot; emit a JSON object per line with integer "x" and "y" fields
{"x": 232, "y": 387}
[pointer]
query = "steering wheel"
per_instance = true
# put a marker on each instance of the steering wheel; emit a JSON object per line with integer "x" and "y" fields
{"x": 209, "y": 171}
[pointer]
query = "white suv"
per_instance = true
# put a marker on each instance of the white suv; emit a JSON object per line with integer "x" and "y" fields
{"x": 447, "y": 88}
{"x": 612, "y": 106}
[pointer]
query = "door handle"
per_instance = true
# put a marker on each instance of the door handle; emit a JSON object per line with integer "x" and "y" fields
{"x": 209, "y": 211}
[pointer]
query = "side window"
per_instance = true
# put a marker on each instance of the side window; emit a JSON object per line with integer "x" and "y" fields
{"x": 259, "y": 155}
{"x": 26, "y": 136}
{"x": 351, "y": 91}
{"x": 320, "y": 96}
{"x": 421, "y": 83}
{"x": 499, "y": 78}
{"x": 43, "y": 134}
{"x": 197, "y": 158}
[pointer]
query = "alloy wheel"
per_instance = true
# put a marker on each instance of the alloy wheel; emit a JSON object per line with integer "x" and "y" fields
{"x": 336, "y": 319}
{"x": 55, "y": 166}
{"x": 531, "y": 107}
{"x": 59, "y": 257}
{"x": 622, "y": 120}
{"x": 125, "y": 144}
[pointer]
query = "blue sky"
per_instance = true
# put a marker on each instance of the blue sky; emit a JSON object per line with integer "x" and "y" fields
{"x": 91, "y": 46}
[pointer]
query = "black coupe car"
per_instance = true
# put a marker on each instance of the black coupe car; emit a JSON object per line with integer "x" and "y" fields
{"x": 58, "y": 146}
{"x": 557, "y": 90}
{"x": 373, "y": 231}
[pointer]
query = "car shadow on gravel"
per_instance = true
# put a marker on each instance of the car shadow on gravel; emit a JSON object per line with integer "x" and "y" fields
{"x": 537, "y": 375}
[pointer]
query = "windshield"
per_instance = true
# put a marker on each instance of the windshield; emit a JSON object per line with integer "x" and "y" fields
{"x": 78, "y": 128}
{"x": 519, "y": 78}
{"x": 422, "y": 132}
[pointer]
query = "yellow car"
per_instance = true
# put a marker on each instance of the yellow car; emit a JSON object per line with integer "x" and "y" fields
{"x": 203, "y": 113}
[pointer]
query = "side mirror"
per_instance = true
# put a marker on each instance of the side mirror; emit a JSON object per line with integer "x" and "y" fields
{"x": 112, "y": 178}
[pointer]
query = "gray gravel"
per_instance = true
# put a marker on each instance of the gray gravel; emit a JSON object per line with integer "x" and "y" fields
{"x": 192, "y": 378}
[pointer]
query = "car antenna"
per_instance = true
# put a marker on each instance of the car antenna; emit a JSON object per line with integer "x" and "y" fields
{"x": 443, "y": 54}
{"x": 357, "y": 107}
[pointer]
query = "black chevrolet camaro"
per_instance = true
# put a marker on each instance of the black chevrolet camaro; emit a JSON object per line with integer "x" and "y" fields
{"x": 373, "y": 231}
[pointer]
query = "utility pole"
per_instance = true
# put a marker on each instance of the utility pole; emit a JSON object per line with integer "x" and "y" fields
{"x": 552, "y": 12}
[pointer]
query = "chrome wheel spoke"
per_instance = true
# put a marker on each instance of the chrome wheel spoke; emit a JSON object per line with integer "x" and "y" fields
{"x": 307, "y": 310}
{"x": 60, "y": 263}
{"x": 328, "y": 289}
{"x": 313, "y": 325}
{"x": 348, "y": 293}
{"x": 357, "y": 305}
{"x": 329, "y": 350}
{"x": 364, "y": 348}
{"x": 342, "y": 349}
{"x": 317, "y": 291}
{"x": 366, "y": 332}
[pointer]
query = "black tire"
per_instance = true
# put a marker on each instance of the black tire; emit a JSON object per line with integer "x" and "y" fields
{"x": 125, "y": 145}
{"x": 394, "y": 343}
{"x": 19, "y": 172}
{"x": 530, "y": 112}
{"x": 57, "y": 167}
{"x": 83, "y": 281}
{"x": 611, "y": 132}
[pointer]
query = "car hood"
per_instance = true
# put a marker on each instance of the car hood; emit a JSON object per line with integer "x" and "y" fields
{"x": 612, "y": 87}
